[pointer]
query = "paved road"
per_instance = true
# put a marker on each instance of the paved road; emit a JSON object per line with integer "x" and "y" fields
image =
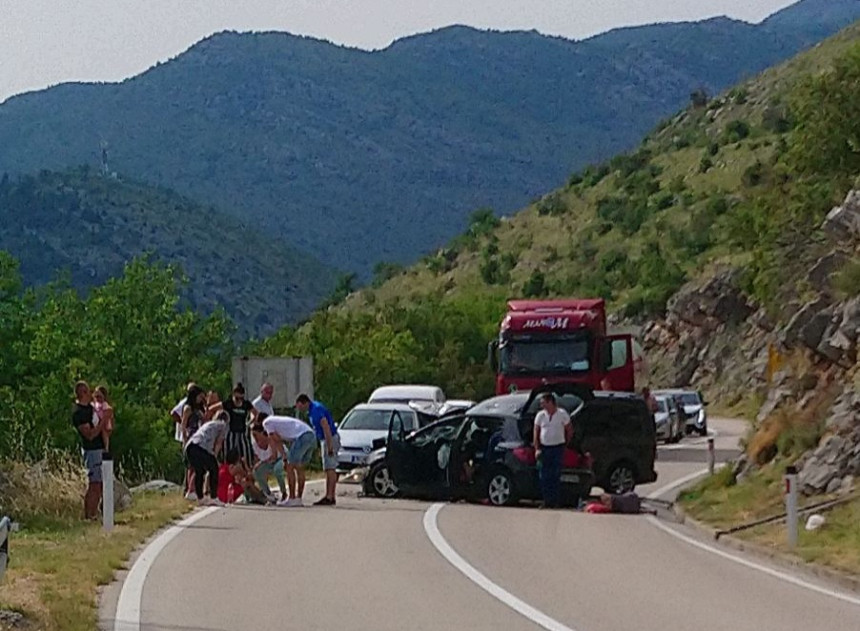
{"x": 369, "y": 564}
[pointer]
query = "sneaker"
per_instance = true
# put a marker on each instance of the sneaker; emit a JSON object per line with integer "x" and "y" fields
{"x": 285, "y": 502}
{"x": 324, "y": 502}
{"x": 296, "y": 501}
{"x": 217, "y": 502}
{"x": 191, "y": 496}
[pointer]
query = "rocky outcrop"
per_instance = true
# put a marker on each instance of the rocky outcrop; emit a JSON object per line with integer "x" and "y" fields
{"x": 836, "y": 460}
{"x": 843, "y": 222}
{"x": 712, "y": 336}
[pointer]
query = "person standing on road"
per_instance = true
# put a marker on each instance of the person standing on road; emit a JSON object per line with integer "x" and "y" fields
{"x": 299, "y": 435}
{"x": 263, "y": 403}
{"x": 193, "y": 417}
{"x": 89, "y": 428}
{"x": 326, "y": 433}
{"x": 552, "y": 431}
{"x": 242, "y": 413}
{"x": 200, "y": 453}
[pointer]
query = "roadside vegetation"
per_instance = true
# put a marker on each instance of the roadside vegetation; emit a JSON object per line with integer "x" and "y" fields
{"x": 57, "y": 560}
{"x": 720, "y": 501}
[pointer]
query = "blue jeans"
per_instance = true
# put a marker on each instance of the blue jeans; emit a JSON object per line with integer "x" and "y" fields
{"x": 262, "y": 473}
{"x": 550, "y": 474}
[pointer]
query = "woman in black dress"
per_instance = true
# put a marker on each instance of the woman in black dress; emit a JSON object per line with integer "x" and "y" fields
{"x": 242, "y": 414}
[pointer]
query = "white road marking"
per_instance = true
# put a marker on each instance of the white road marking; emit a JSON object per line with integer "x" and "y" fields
{"x": 783, "y": 576}
{"x": 128, "y": 607}
{"x": 481, "y": 580}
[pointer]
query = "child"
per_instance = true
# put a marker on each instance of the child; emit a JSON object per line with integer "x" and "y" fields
{"x": 104, "y": 411}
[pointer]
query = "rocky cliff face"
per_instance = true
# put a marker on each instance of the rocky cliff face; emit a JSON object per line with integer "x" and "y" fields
{"x": 715, "y": 338}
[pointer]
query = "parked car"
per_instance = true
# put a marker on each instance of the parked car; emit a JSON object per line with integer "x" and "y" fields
{"x": 368, "y": 422}
{"x": 615, "y": 430}
{"x": 455, "y": 406}
{"x": 406, "y": 393}
{"x": 693, "y": 404}
{"x": 669, "y": 419}
{"x": 5, "y": 530}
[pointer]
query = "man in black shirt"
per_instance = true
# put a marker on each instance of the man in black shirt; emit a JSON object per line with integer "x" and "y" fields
{"x": 92, "y": 446}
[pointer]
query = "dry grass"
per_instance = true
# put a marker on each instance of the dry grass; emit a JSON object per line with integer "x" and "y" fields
{"x": 721, "y": 504}
{"x": 58, "y": 561}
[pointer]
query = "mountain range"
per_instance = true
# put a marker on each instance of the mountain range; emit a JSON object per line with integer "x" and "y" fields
{"x": 360, "y": 157}
{"x": 88, "y": 226}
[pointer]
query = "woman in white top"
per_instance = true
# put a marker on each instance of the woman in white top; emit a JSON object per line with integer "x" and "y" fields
{"x": 200, "y": 452}
{"x": 302, "y": 441}
{"x": 552, "y": 432}
{"x": 269, "y": 461}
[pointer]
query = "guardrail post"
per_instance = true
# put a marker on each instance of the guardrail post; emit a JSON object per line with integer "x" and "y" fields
{"x": 107, "y": 492}
{"x": 791, "y": 504}
{"x": 712, "y": 457}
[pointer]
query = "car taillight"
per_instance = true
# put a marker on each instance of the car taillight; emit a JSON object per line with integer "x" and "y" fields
{"x": 526, "y": 455}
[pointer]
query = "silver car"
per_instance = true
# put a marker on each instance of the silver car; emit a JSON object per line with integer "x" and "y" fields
{"x": 668, "y": 418}
{"x": 694, "y": 407}
{"x": 369, "y": 422}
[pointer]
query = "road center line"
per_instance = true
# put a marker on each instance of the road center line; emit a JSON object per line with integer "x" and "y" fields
{"x": 469, "y": 571}
{"x": 783, "y": 576}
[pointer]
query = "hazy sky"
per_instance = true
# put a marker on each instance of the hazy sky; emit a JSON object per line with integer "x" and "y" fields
{"x": 43, "y": 42}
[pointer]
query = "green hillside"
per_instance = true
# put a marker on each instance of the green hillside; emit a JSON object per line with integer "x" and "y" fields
{"x": 742, "y": 179}
{"x": 362, "y": 157}
{"x": 85, "y": 226}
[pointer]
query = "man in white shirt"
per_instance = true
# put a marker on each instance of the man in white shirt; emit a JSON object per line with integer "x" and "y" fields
{"x": 263, "y": 403}
{"x": 552, "y": 432}
{"x": 302, "y": 441}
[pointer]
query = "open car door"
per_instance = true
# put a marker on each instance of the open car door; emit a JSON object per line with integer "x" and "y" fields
{"x": 418, "y": 462}
{"x": 570, "y": 396}
{"x": 619, "y": 367}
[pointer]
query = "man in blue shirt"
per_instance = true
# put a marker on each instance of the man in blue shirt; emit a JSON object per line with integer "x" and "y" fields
{"x": 326, "y": 433}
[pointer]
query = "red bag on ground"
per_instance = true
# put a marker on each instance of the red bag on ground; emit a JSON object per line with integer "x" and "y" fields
{"x": 597, "y": 508}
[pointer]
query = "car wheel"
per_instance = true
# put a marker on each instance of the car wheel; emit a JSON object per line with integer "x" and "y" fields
{"x": 500, "y": 488}
{"x": 380, "y": 482}
{"x": 621, "y": 479}
{"x": 704, "y": 430}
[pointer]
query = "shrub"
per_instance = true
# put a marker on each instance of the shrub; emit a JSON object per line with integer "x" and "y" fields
{"x": 717, "y": 205}
{"x": 736, "y": 131}
{"x": 552, "y": 205}
{"x": 535, "y": 286}
{"x": 753, "y": 174}
{"x": 41, "y": 493}
{"x": 664, "y": 201}
{"x": 699, "y": 98}
{"x": 705, "y": 164}
{"x": 847, "y": 281}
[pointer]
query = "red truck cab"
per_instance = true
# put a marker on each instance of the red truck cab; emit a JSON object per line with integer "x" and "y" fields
{"x": 552, "y": 341}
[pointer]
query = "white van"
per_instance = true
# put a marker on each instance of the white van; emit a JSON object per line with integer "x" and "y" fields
{"x": 408, "y": 393}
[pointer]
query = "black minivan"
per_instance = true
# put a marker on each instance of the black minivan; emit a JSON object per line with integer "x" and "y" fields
{"x": 615, "y": 428}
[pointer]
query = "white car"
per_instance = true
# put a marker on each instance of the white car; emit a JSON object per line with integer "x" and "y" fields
{"x": 367, "y": 423}
{"x": 408, "y": 393}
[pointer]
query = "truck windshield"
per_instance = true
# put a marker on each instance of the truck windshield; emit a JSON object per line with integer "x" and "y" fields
{"x": 540, "y": 356}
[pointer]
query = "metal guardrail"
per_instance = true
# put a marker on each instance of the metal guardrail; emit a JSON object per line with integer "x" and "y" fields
{"x": 5, "y": 530}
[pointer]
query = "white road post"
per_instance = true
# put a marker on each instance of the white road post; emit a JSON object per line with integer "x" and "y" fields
{"x": 712, "y": 457}
{"x": 107, "y": 492}
{"x": 791, "y": 504}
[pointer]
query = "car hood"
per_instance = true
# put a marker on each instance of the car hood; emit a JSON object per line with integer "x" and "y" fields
{"x": 692, "y": 409}
{"x": 362, "y": 438}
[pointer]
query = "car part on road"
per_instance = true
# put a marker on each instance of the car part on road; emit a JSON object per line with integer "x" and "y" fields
{"x": 379, "y": 482}
{"x": 621, "y": 478}
{"x": 500, "y": 487}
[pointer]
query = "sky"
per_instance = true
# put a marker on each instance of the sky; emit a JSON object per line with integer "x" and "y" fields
{"x": 44, "y": 42}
